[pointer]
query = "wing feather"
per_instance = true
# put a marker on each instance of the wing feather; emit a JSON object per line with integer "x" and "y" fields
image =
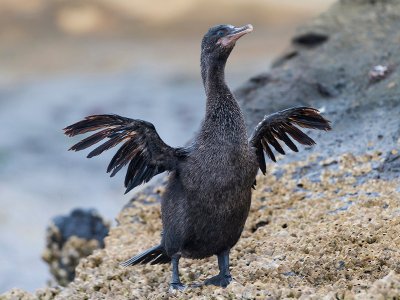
{"x": 274, "y": 143}
{"x": 142, "y": 148}
{"x": 260, "y": 158}
{"x": 299, "y": 135}
{"x": 281, "y": 125}
{"x": 280, "y": 132}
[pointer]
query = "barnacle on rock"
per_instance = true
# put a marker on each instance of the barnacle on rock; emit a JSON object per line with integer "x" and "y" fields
{"x": 312, "y": 246}
{"x": 70, "y": 238}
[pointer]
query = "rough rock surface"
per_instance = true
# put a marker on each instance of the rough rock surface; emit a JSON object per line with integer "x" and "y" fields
{"x": 333, "y": 234}
{"x": 328, "y": 65}
{"x": 325, "y": 226}
{"x": 70, "y": 238}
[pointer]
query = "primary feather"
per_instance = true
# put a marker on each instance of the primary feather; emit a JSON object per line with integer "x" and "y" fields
{"x": 279, "y": 125}
{"x": 142, "y": 148}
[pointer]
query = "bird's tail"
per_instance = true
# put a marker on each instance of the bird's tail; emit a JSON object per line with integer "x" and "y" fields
{"x": 155, "y": 255}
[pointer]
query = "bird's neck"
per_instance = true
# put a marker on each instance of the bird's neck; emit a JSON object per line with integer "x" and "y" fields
{"x": 222, "y": 110}
{"x": 213, "y": 75}
{"x": 217, "y": 91}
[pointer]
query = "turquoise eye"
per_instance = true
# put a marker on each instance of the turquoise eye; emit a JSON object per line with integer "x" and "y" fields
{"x": 220, "y": 32}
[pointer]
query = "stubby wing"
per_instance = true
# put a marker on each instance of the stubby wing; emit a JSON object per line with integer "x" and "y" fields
{"x": 283, "y": 126}
{"x": 142, "y": 148}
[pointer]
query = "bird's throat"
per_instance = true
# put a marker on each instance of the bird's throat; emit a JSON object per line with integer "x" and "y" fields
{"x": 213, "y": 75}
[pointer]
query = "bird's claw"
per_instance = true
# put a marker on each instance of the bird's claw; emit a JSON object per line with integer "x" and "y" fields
{"x": 173, "y": 287}
{"x": 219, "y": 280}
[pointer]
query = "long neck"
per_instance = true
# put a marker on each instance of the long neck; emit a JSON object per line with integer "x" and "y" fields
{"x": 222, "y": 110}
{"x": 217, "y": 92}
{"x": 213, "y": 74}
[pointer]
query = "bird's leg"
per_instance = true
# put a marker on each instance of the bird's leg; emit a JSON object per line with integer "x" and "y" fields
{"x": 176, "y": 283}
{"x": 224, "y": 277}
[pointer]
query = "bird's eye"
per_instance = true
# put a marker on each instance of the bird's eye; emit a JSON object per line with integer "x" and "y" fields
{"x": 220, "y": 32}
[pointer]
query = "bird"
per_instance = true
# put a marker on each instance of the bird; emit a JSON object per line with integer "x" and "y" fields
{"x": 208, "y": 194}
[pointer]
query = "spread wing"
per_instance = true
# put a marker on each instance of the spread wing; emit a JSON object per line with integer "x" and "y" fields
{"x": 282, "y": 126}
{"x": 142, "y": 148}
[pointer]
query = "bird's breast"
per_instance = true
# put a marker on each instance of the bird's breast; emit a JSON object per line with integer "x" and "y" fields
{"x": 217, "y": 166}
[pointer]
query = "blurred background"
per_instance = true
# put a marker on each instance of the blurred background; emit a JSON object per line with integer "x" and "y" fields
{"x": 62, "y": 60}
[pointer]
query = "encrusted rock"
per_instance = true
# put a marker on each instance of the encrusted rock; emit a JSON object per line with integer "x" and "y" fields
{"x": 70, "y": 238}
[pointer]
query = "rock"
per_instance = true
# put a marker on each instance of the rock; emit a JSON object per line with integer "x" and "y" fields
{"x": 391, "y": 164}
{"x": 328, "y": 66}
{"x": 41, "y": 294}
{"x": 71, "y": 238}
{"x": 298, "y": 249}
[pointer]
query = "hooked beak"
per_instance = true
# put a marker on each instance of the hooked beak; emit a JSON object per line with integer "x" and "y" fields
{"x": 236, "y": 33}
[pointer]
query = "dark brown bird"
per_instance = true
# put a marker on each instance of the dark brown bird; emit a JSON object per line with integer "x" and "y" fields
{"x": 208, "y": 195}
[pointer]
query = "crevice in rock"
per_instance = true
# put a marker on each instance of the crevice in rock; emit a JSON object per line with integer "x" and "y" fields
{"x": 310, "y": 39}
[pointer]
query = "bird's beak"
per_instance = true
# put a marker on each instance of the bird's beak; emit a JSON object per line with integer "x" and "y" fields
{"x": 236, "y": 33}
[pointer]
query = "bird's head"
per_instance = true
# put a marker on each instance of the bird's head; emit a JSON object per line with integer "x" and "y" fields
{"x": 219, "y": 41}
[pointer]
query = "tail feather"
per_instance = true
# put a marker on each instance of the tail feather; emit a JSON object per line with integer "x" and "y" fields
{"x": 155, "y": 255}
{"x": 161, "y": 259}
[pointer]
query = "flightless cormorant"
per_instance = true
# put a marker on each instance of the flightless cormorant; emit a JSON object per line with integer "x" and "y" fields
{"x": 208, "y": 195}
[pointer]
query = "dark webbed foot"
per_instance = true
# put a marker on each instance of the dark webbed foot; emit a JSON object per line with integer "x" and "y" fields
{"x": 224, "y": 277}
{"x": 176, "y": 284}
{"x": 219, "y": 280}
{"x": 177, "y": 287}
